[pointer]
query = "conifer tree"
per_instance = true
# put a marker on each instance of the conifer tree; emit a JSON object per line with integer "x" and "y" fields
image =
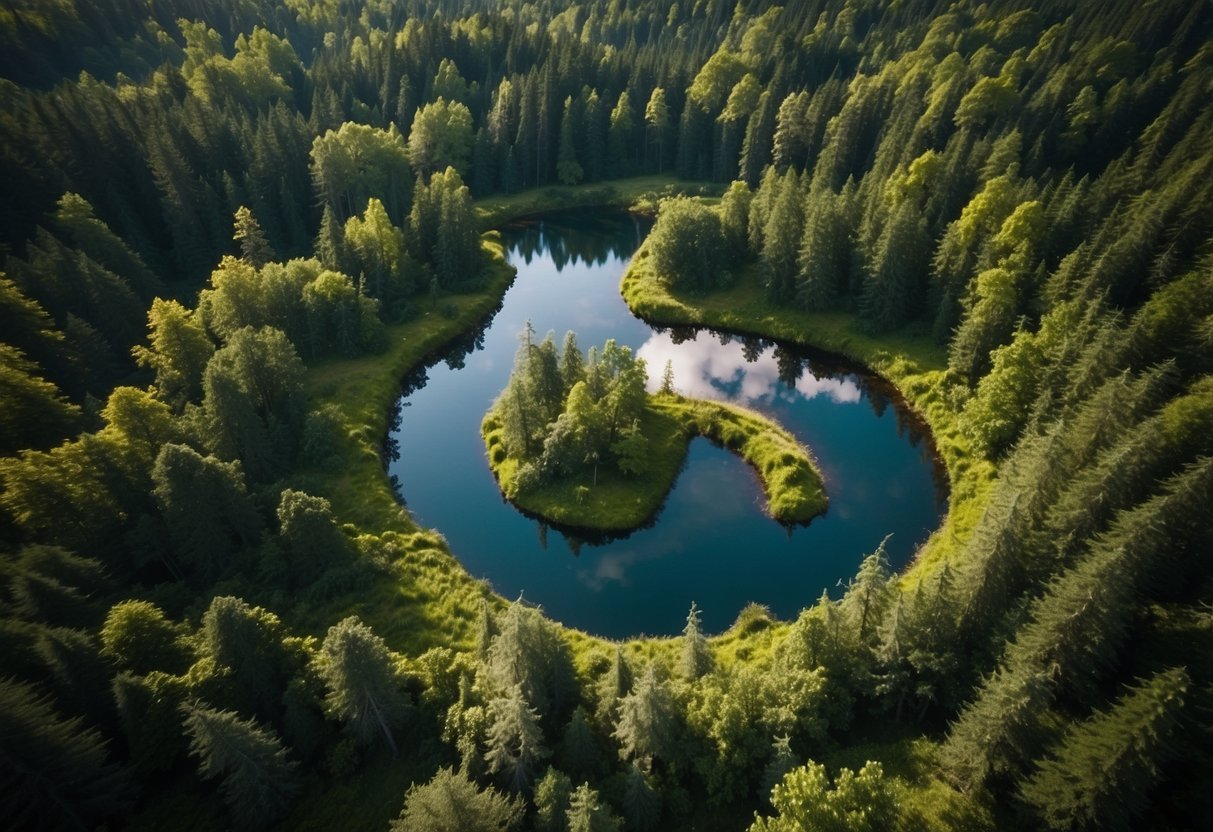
{"x": 515, "y": 742}
{"x": 452, "y": 802}
{"x": 254, "y": 247}
{"x": 578, "y": 751}
{"x": 612, "y": 686}
{"x": 1099, "y": 774}
{"x": 257, "y": 776}
{"x": 553, "y": 792}
{"x": 588, "y": 814}
{"x": 696, "y": 658}
{"x": 57, "y": 771}
{"x": 646, "y": 725}
{"x": 641, "y": 802}
{"x": 363, "y": 691}
{"x": 869, "y": 594}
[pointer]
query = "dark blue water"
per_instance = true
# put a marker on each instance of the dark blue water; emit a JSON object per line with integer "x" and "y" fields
{"x": 711, "y": 543}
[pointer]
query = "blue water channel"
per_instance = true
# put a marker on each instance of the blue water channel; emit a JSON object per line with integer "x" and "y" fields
{"x": 711, "y": 543}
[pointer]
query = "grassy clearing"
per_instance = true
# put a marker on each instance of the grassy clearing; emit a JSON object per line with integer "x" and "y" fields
{"x": 910, "y": 361}
{"x": 613, "y": 502}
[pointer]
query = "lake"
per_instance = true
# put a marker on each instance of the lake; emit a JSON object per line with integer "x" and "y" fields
{"x": 711, "y": 543}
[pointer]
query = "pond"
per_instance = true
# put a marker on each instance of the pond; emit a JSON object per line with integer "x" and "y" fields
{"x": 711, "y": 543}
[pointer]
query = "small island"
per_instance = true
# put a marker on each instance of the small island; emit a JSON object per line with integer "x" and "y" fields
{"x": 576, "y": 440}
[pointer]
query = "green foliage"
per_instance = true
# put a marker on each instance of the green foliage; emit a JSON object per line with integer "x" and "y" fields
{"x": 647, "y": 725}
{"x": 56, "y": 770}
{"x": 588, "y": 814}
{"x": 356, "y": 162}
{"x": 1099, "y": 774}
{"x": 254, "y": 247}
{"x": 257, "y": 776}
{"x": 140, "y": 638}
{"x": 441, "y": 137}
{"x": 696, "y": 658}
{"x": 252, "y": 400}
{"x": 530, "y": 654}
{"x": 515, "y": 740}
{"x": 552, "y": 794}
{"x": 806, "y": 800}
{"x": 178, "y": 352}
{"x": 686, "y": 244}
{"x": 363, "y": 688}
{"x": 451, "y": 802}
{"x": 206, "y": 507}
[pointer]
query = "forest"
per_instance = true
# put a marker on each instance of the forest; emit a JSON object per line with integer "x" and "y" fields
{"x": 232, "y": 232}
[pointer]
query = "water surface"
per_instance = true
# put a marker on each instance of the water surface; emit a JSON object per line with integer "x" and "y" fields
{"x": 711, "y": 543}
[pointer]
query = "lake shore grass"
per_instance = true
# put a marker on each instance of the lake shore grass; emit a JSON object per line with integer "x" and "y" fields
{"x": 426, "y": 598}
{"x": 611, "y": 502}
{"x": 909, "y": 360}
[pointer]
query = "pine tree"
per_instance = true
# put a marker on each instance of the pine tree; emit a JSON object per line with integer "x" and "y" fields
{"x": 588, "y": 814}
{"x": 254, "y": 247}
{"x": 452, "y": 802}
{"x": 1100, "y": 773}
{"x": 257, "y": 776}
{"x": 363, "y": 690}
{"x": 657, "y": 124}
{"x": 578, "y": 751}
{"x": 696, "y": 658}
{"x": 553, "y": 792}
{"x": 515, "y": 742}
{"x": 641, "y": 802}
{"x": 612, "y": 686}
{"x": 869, "y": 594}
{"x": 57, "y": 772}
{"x": 568, "y": 169}
{"x": 783, "y": 760}
{"x": 646, "y": 725}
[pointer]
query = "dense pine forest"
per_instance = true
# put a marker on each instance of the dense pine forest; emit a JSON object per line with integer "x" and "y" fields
{"x": 230, "y": 229}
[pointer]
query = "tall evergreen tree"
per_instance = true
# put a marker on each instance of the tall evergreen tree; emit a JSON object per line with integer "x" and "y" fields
{"x": 257, "y": 776}
{"x": 363, "y": 689}
{"x": 1099, "y": 775}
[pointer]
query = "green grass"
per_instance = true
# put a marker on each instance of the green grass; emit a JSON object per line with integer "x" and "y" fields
{"x": 912, "y": 362}
{"x": 614, "y": 502}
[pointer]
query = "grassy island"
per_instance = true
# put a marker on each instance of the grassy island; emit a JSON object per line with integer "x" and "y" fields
{"x": 614, "y": 501}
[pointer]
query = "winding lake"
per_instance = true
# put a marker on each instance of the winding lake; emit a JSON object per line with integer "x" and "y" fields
{"x": 711, "y": 543}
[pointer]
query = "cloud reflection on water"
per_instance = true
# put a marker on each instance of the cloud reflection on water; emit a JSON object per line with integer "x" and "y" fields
{"x": 707, "y": 369}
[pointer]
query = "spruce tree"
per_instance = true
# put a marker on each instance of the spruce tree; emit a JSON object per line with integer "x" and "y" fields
{"x": 56, "y": 770}
{"x": 254, "y": 247}
{"x": 696, "y": 658}
{"x": 1099, "y": 775}
{"x": 257, "y": 776}
{"x": 647, "y": 717}
{"x": 588, "y": 814}
{"x": 515, "y": 742}
{"x": 363, "y": 690}
{"x": 641, "y": 802}
{"x": 452, "y": 802}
